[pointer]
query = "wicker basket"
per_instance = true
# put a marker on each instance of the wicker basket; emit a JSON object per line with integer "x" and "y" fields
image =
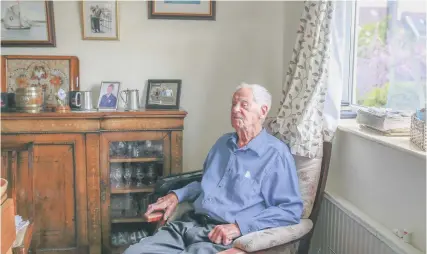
{"x": 418, "y": 132}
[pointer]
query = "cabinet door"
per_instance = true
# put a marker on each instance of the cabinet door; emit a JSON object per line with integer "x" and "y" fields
{"x": 130, "y": 164}
{"x": 59, "y": 201}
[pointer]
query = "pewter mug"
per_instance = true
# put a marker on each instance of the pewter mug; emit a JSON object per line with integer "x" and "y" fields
{"x": 85, "y": 102}
{"x": 132, "y": 99}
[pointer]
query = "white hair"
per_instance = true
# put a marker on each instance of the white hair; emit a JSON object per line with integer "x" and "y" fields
{"x": 260, "y": 94}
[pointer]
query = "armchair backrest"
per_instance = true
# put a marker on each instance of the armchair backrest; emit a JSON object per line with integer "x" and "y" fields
{"x": 324, "y": 170}
{"x": 312, "y": 175}
{"x": 304, "y": 244}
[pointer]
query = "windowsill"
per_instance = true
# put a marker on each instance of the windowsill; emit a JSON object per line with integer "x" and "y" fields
{"x": 399, "y": 143}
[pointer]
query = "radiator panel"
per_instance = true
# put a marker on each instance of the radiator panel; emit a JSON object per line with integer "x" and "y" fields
{"x": 337, "y": 232}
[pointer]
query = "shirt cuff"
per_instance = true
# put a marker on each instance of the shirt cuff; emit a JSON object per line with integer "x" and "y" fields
{"x": 246, "y": 226}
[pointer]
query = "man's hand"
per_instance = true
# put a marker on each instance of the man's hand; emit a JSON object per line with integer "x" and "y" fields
{"x": 167, "y": 204}
{"x": 224, "y": 234}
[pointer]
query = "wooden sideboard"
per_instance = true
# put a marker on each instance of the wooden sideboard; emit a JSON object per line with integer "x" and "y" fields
{"x": 82, "y": 161}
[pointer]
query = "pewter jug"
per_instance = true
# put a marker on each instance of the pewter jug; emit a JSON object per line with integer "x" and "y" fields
{"x": 132, "y": 99}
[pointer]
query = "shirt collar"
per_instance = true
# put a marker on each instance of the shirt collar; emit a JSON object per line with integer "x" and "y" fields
{"x": 256, "y": 144}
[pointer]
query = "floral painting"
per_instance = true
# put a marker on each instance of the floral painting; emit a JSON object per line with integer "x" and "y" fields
{"x": 51, "y": 75}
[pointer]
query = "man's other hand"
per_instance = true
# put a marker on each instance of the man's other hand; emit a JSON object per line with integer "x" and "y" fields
{"x": 167, "y": 204}
{"x": 224, "y": 234}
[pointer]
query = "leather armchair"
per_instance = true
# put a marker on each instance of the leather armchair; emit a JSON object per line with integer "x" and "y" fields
{"x": 312, "y": 174}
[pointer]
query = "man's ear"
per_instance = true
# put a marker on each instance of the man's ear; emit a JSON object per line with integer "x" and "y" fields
{"x": 264, "y": 110}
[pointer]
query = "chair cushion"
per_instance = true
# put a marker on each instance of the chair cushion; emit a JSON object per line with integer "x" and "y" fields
{"x": 268, "y": 238}
{"x": 308, "y": 171}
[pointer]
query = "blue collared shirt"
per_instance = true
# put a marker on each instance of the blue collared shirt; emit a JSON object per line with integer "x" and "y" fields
{"x": 255, "y": 186}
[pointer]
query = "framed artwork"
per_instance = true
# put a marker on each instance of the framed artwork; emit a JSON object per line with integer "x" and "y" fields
{"x": 27, "y": 24}
{"x": 52, "y": 73}
{"x": 163, "y": 94}
{"x": 100, "y": 20}
{"x": 108, "y": 96}
{"x": 182, "y": 9}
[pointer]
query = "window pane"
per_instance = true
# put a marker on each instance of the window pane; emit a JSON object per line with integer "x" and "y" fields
{"x": 390, "y": 67}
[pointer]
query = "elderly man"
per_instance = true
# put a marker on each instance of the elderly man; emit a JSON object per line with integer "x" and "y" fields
{"x": 249, "y": 183}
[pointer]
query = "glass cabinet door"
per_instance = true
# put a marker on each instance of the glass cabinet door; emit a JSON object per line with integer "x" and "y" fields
{"x": 133, "y": 167}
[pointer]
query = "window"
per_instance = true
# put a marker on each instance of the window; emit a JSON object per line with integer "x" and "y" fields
{"x": 387, "y": 54}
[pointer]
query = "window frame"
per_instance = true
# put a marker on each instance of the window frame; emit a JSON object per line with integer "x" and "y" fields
{"x": 348, "y": 100}
{"x": 350, "y": 58}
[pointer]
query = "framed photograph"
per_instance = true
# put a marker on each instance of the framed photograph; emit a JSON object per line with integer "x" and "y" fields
{"x": 100, "y": 20}
{"x": 27, "y": 24}
{"x": 108, "y": 96}
{"x": 182, "y": 9}
{"x": 163, "y": 94}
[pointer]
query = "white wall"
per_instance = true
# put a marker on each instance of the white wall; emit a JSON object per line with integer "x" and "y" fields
{"x": 385, "y": 183}
{"x": 245, "y": 43}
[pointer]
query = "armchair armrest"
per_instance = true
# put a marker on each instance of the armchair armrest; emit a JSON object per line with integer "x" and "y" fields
{"x": 172, "y": 182}
{"x": 272, "y": 237}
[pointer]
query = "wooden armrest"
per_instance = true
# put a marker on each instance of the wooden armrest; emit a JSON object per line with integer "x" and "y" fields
{"x": 23, "y": 240}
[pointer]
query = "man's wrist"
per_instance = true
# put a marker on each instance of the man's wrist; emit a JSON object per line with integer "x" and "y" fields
{"x": 175, "y": 197}
{"x": 178, "y": 195}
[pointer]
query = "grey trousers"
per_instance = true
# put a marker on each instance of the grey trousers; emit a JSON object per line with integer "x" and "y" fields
{"x": 184, "y": 236}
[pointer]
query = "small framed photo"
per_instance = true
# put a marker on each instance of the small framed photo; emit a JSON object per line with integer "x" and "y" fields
{"x": 163, "y": 94}
{"x": 181, "y": 9}
{"x": 100, "y": 20}
{"x": 108, "y": 96}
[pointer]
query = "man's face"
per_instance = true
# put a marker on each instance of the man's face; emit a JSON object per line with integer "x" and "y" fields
{"x": 244, "y": 111}
{"x": 109, "y": 89}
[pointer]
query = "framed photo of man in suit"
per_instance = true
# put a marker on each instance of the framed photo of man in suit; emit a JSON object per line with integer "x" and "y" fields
{"x": 108, "y": 98}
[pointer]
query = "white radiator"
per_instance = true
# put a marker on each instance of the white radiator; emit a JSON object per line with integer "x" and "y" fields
{"x": 343, "y": 229}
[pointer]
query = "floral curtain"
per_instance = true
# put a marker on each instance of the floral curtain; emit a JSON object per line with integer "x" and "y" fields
{"x": 309, "y": 109}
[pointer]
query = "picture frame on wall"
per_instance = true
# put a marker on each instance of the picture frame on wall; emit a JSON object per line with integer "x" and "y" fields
{"x": 100, "y": 20}
{"x": 163, "y": 94}
{"x": 108, "y": 95}
{"x": 182, "y": 9}
{"x": 27, "y": 24}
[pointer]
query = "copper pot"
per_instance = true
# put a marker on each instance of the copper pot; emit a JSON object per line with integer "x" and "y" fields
{"x": 29, "y": 99}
